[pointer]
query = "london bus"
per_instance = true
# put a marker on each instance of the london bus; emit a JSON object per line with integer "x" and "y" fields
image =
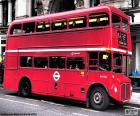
{"x": 80, "y": 55}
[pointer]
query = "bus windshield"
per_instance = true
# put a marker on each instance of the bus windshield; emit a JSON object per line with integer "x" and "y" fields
{"x": 117, "y": 58}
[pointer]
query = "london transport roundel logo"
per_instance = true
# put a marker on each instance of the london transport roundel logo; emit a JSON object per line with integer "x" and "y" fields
{"x": 56, "y": 75}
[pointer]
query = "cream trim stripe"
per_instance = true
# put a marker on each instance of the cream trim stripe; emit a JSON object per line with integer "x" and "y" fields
{"x": 57, "y": 50}
{"x": 129, "y": 52}
{"x": 68, "y": 50}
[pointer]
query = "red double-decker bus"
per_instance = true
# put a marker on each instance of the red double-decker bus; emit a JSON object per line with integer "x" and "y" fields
{"x": 81, "y": 55}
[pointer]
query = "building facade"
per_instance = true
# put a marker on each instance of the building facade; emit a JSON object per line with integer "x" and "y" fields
{"x": 12, "y": 9}
{"x": 7, "y": 14}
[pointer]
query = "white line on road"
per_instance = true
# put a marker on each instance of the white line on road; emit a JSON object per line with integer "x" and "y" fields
{"x": 9, "y": 96}
{"x": 19, "y": 102}
{"x": 131, "y": 107}
{"x": 54, "y": 103}
{"x": 32, "y": 99}
{"x": 78, "y": 114}
{"x": 89, "y": 110}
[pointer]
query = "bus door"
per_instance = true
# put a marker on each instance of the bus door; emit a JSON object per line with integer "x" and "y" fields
{"x": 75, "y": 77}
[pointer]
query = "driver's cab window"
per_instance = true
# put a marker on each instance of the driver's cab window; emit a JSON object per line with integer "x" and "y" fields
{"x": 105, "y": 61}
{"x": 117, "y": 58}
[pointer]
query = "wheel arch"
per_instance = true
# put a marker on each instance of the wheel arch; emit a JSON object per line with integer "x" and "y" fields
{"x": 92, "y": 86}
{"x": 24, "y": 78}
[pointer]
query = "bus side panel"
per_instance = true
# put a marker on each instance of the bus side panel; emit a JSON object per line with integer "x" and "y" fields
{"x": 87, "y": 37}
{"x": 10, "y": 72}
{"x": 74, "y": 91}
{"x": 75, "y": 87}
{"x": 40, "y": 81}
{"x": 11, "y": 79}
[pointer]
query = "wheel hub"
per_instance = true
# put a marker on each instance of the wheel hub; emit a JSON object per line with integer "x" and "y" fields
{"x": 97, "y": 98}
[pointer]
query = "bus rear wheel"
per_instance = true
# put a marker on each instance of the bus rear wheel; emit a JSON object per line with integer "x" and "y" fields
{"x": 25, "y": 88}
{"x": 99, "y": 99}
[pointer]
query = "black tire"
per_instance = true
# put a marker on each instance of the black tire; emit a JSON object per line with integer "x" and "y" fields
{"x": 25, "y": 88}
{"x": 99, "y": 99}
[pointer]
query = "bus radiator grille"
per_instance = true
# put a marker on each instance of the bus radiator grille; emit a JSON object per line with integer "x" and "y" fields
{"x": 125, "y": 91}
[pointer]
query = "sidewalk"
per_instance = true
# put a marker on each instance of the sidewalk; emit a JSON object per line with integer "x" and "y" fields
{"x": 135, "y": 99}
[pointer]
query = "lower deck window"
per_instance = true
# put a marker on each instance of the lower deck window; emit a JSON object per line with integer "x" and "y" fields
{"x": 57, "y": 62}
{"x": 75, "y": 63}
{"x": 41, "y": 62}
{"x": 26, "y": 61}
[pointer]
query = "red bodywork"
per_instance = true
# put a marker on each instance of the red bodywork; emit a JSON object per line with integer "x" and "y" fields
{"x": 74, "y": 84}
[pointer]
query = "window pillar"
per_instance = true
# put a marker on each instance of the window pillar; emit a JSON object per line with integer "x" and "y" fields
{"x": 9, "y": 11}
{"x": 1, "y": 13}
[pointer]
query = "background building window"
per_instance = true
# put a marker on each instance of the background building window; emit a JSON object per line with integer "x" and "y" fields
{"x": 79, "y": 3}
{"x": 94, "y": 2}
{"x": 5, "y": 13}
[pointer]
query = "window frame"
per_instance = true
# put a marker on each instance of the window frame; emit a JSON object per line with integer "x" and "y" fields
{"x": 128, "y": 26}
{"x": 44, "y": 21}
{"x": 49, "y": 63}
{"x": 20, "y": 33}
{"x": 120, "y": 18}
{"x": 75, "y": 17}
{"x": 39, "y": 57}
{"x": 74, "y": 69}
{"x": 31, "y": 32}
{"x": 99, "y": 13}
{"x": 65, "y": 27}
{"x": 116, "y": 66}
{"x": 32, "y": 63}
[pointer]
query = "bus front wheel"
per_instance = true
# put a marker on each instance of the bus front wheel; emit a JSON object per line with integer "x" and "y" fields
{"x": 25, "y": 88}
{"x": 99, "y": 99}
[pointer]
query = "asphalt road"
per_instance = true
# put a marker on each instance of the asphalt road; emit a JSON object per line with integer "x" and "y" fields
{"x": 13, "y": 105}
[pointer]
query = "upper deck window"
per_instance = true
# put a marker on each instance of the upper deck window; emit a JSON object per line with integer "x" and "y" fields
{"x": 16, "y": 29}
{"x": 42, "y": 26}
{"x": 59, "y": 24}
{"x": 116, "y": 21}
{"x": 29, "y": 27}
{"x": 77, "y": 22}
{"x": 125, "y": 25}
{"x": 98, "y": 19}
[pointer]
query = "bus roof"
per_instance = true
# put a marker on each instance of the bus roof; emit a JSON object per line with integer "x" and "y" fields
{"x": 99, "y": 8}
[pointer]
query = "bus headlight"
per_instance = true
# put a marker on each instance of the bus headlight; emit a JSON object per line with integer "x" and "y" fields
{"x": 131, "y": 88}
{"x": 115, "y": 89}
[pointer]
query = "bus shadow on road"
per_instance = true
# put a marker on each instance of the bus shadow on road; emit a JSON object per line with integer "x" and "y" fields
{"x": 66, "y": 102}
